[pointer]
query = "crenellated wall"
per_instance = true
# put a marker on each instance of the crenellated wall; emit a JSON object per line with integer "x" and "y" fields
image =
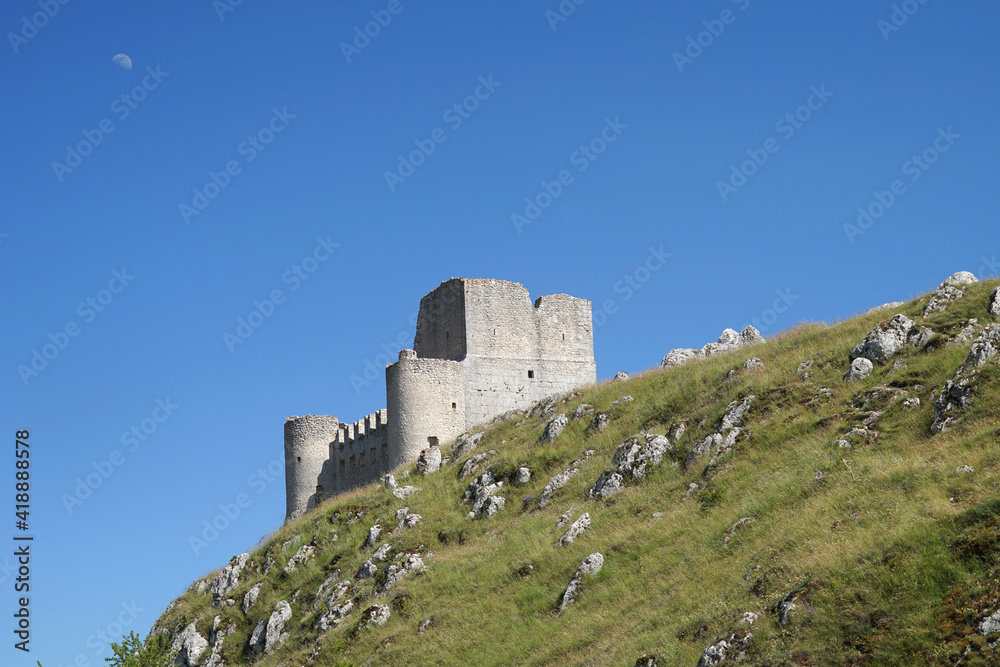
{"x": 481, "y": 349}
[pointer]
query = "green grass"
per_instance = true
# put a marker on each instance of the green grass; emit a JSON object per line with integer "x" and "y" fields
{"x": 895, "y": 552}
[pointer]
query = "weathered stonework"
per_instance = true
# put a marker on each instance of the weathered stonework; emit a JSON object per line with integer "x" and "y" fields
{"x": 481, "y": 349}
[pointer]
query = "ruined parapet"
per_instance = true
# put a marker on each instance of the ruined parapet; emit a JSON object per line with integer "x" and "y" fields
{"x": 360, "y": 453}
{"x": 307, "y": 445}
{"x": 427, "y": 402}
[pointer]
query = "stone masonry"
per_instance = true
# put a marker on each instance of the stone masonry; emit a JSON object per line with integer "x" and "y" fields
{"x": 481, "y": 349}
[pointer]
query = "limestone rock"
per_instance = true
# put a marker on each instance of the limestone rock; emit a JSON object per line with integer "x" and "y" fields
{"x": 390, "y": 482}
{"x": 473, "y": 465}
{"x": 522, "y": 476}
{"x": 413, "y": 565}
{"x": 590, "y": 566}
{"x": 610, "y": 483}
{"x": 622, "y": 400}
{"x": 377, "y": 614}
{"x": 702, "y": 449}
{"x": 367, "y": 570}
{"x": 555, "y": 427}
{"x": 679, "y": 356}
{"x": 956, "y": 394}
{"x": 250, "y": 598}
{"x": 948, "y": 291}
{"x": 554, "y": 485}
{"x": 382, "y": 553}
{"x": 464, "y": 444}
{"x": 753, "y": 364}
{"x": 995, "y": 302}
{"x": 599, "y": 423}
{"x": 404, "y": 492}
{"x": 621, "y": 375}
{"x": 429, "y": 460}
{"x": 189, "y": 646}
{"x": 576, "y": 529}
{"x": 269, "y": 636}
{"x": 634, "y": 456}
{"x": 373, "y": 535}
{"x": 564, "y": 518}
{"x": 305, "y": 553}
{"x": 990, "y": 624}
{"x": 804, "y": 366}
{"x": 884, "y": 306}
{"x": 582, "y": 410}
{"x": 912, "y": 402}
{"x": 859, "y": 370}
{"x": 965, "y": 335}
{"x": 676, "y": 432}
{"x": 787, "y": 607}
{"x": 884, "y": 341}
{"x": 228, "y": 578}
{"x": 334, "y": 616}
{"x": 735, "y": 413}
{"x": 737, "y": 527}
{"x": 647, "y": 660}
{"x": 731, "y": 648}
{"x": 725, "y": 446}
{"x": 483, "y": 492}
{"x": 919, "y": 338}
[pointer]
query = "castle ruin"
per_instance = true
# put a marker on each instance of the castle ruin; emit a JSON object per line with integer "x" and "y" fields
{"x": 481, "y": 349}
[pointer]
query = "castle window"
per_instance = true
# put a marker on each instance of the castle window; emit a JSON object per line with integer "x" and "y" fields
{"x": 319, "y": 494}
{"x": 531, "y": 374}
{"x": 432, "y": 441}
{"x": 363, "y": 456}
{"x": 298, "y": 459}
{"x": 494, "y": 332}
{"x": 373, "y": 453}
{"x": 352, "y": 462}
{"x": 454, "y": 407}
{"x": 385, "y": 450}
{"x": 342, "y": 464}
{"x": 564, "y": 336}
{"x": 447, "y": 334}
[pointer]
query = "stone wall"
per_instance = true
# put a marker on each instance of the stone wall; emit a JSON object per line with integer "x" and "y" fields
{"x": 359, "y": 455}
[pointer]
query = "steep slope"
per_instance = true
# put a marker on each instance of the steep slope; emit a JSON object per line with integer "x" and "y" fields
{"x": 829, "y": 510}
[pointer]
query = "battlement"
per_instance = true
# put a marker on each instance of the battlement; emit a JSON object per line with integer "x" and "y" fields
{"x": 482, "y": 347}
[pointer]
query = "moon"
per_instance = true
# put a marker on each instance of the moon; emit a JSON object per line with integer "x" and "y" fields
{"x": 122, "y": 61}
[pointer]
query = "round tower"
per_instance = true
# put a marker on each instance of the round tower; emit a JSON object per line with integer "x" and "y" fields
{"x": 426, "y": 404}
{"x": 307, "y": 447}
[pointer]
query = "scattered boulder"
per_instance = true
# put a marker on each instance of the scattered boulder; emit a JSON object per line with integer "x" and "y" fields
{"x": 412, "y": 565}
{"x": 753, "y": 364}
{"x": 676, "y": 432}
{"x": 912, "y": 402}
{"x": 990, "y": 624}
{"x": 554, "y": 485}
{"x": 464, "y": 444}
{"x": 884, "y": 341}
{"x": 622, "y": 400}
{"x": 788, "y": 607}
{"x": 189, "y": 646}
{"x": 731, "y": 648}
{"x": 404, "y": 492}
{"x": 965, "y": 335}
{"x": 367, "y": 570}
{"x": 599, "y": 423}
{"x": 390, "y": 482}
{"x": 377, "y": 614}
{"x": 590, "y": 566}
{"x": 522, "y": 476}
{"x": 610, "y": 483}
{"x": 725, "y": 446}
{"x": 804, "y": 366}
{"x": 691, "y": 492}
{"x": 382, "y": 553}
{"x": 564, "y": 518}
{"x": 335, "y": 615}
{"x": 737, "y": 527}
{"x": 735, "y": 413}
{"x": 679, "y": 356}
{"x": 250, "y": 598}
{"x": 621, "y": 375}
{"x": 429, "y": 460}
{"x": 647, "y": 660}
{"x": 956, "y": 394}
{"x": 268, "y": 636}
{"x": 964, "y": 469}
{"x": 582, "y": 410}
{"x": 473, "y": 465}
{"x": 555, "y": 427}
{"x": 228, "y": 578}
{"x": 633, "y": 459}
{"x": 305, "y": 553}
{"x": 920, "y": 337}
{"x": 373, "y": 534}
{"x": 859, "y": 370}
{"x": 483, "y": 494}
{"x": 995, "y": 302}
{"x": 948, "y": 291}
{"x": 884, "y": 306}
{"x": 729, "y": 340}
{"x": 578, "y": 527}
{"x": 702, "y": 449}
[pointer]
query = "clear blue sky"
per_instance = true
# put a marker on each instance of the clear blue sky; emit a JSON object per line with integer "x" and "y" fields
{"x": 605, "y": 101}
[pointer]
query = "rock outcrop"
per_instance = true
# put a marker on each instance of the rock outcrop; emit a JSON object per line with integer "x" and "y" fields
{"x": 948, "y": 291}
{"x": 590, "y": 566}
{"x": 884, "y": 341}
{"x": 728, "y": 341}
{"x": 228, "y": 578}
{"x": 269, "y": 634}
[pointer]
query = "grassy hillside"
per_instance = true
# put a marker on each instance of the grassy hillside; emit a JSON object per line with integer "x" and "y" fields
{"x": 888, "y": 546}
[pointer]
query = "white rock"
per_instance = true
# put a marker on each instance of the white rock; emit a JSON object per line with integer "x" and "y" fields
{"x": 995, "y": 302}
{"x": 305, "y": 553}
{"x": 885, "y": 340}
{"x": 990, "y": 624}
{"x": 190, "y": 646}
{"x": 592, "y": 564}
{"x": 404, "y": 492}
{"x": 735, "y": 413}
{"x": 251, "y": 598}
{"x": 522, "y": 476}
{"x": 382, "y": 553}
{"x": 680, "y": 356}
{"x": 753, "y": 364}
{"x": 610, "y": 483}
{"x": 373, "y": 535}
{"x": 911, "y": 402}
{"x": 228, "y": 578}
{"x": 621, "y": 375}
{"x": 390, "y": 482}
{"x": 948, "y": 291}
{"x": 623, "y": 399}
{"x": 576, "y": 529}
{"x": 429, "y": 460}
{"x": 375, "y": 615}
{"x": 554, "y": 484}
{"x": 555, "y": 427}
{"x": 859, "y": 370}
